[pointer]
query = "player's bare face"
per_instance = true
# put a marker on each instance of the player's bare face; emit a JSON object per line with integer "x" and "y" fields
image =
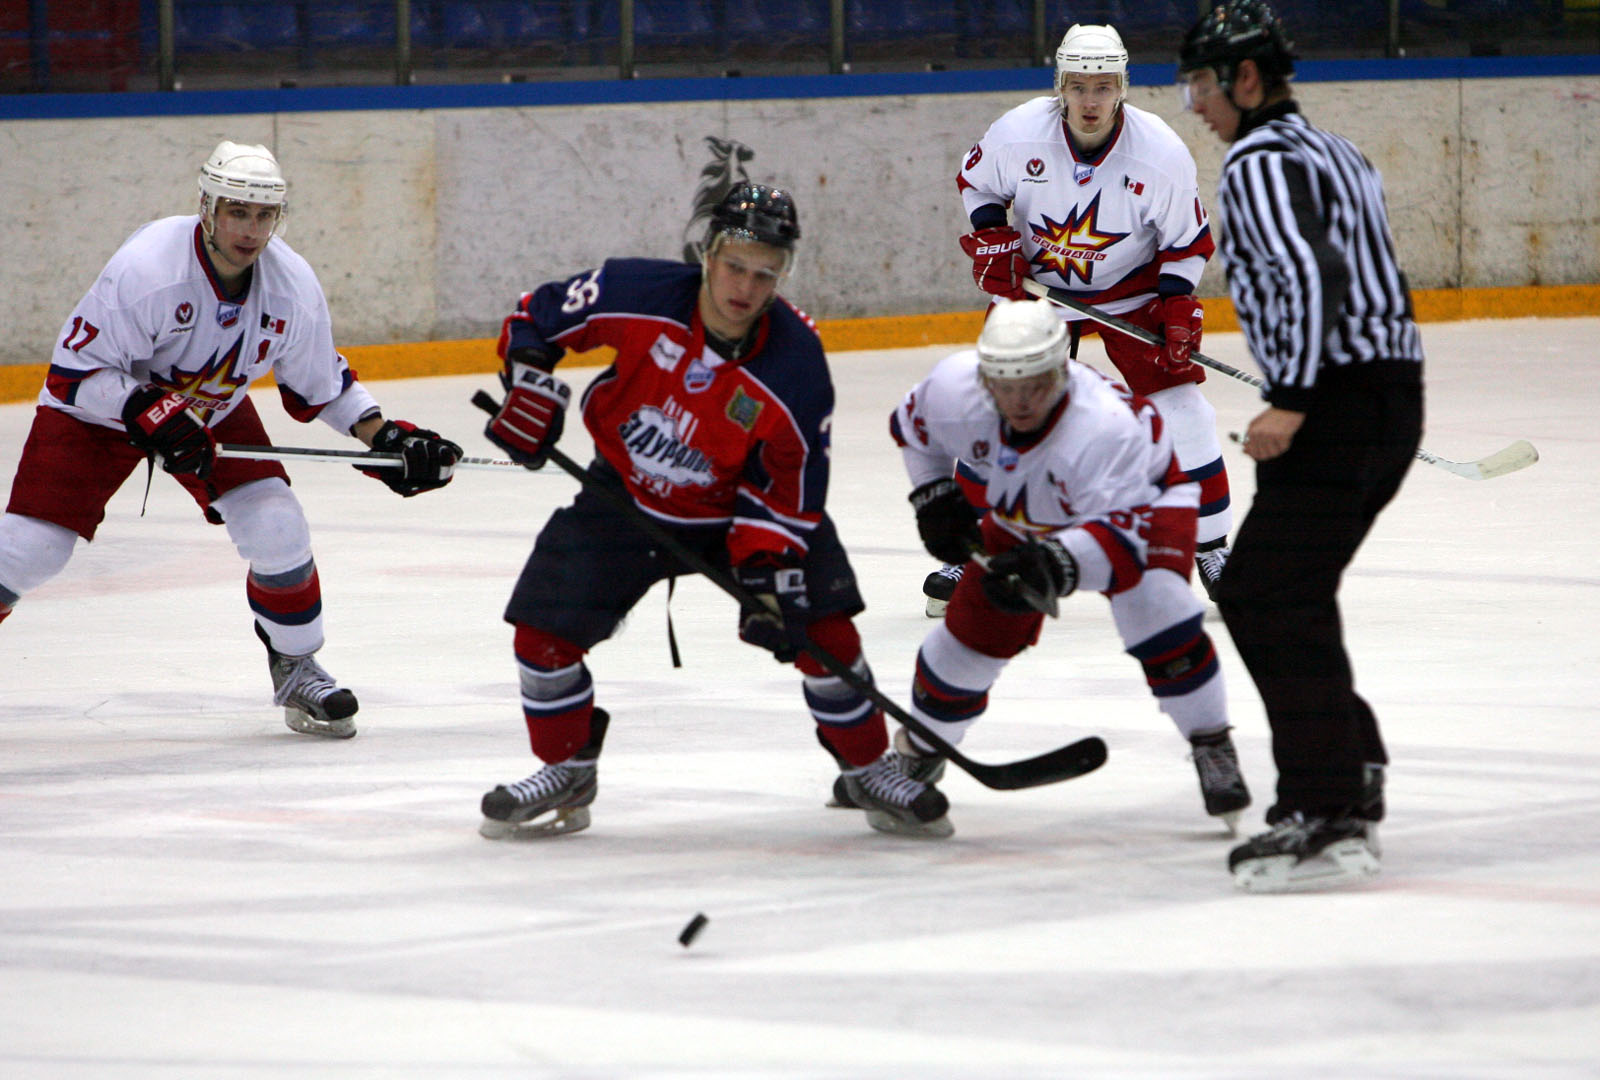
{"x": 1091, "y": 102}
{"x": 239, "y": 235}
{"x": 1205, "y": 97}
{"x": 1025, "y": 403}
{"x": 741, "y": 278}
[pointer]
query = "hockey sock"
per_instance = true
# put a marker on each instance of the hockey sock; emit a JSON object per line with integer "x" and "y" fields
{"x": 557, "y": 693}
{"x": 288, "y": 608}
{"x": 847, "y": 721}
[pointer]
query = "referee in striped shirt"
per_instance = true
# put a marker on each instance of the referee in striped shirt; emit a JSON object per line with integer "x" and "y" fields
{"x": 1327, "y": 316}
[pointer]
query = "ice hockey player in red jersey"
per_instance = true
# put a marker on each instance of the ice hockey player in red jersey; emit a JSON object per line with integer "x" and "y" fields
{"x": 1085, "y": 493}
{"x": 1104, "y": 204}
{"x": 713, "y": 420}
{"x": 154, "y": 364}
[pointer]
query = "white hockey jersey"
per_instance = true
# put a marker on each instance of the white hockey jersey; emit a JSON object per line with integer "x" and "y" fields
{"x": 1104, "y": 225}
{"x": 157, "y": 315}
{"x": 1101, "y": 478}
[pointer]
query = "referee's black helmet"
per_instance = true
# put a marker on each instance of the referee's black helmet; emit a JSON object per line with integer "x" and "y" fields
{"x": 1236, "y": 30}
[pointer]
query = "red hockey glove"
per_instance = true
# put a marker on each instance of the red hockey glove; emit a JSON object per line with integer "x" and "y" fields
{"x": 430, "y": 459}
{"x": 1180, "y": 318}
{"x": 162, "y": 424}
{"x": 778, "y": 624}
{"x": 997, "y": 263}
{"x": 531, "y": 417}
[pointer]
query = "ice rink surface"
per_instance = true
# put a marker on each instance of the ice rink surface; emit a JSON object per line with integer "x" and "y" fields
{"x": 187, "y": 889}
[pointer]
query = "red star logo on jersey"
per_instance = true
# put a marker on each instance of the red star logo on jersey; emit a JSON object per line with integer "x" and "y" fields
{"x": 212, "y": 386}
{"x": 1071, "y": 248}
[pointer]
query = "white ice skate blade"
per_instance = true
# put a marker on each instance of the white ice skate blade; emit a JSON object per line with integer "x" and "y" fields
{"x": 306, "y": 724}
{"x": 1230, "y": 821}
{"x": 569, "y": 819}
{"x": 934, "y": 609}
{"x": 1343, "y": 863}
{"x": 886, "y": 822}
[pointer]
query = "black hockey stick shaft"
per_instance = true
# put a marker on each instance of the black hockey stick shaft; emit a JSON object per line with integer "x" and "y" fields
{"x": 1064, "y": 763}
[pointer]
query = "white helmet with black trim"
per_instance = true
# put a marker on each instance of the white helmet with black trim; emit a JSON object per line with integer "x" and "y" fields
{"x": 1021, "y": 339}
{"x": 243, "y": 173}
{"x": 1092, "y": 50}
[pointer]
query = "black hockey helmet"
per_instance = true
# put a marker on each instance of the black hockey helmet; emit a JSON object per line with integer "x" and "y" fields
{"x": 1236, "y": 30}
{"x": 755, "y": 212}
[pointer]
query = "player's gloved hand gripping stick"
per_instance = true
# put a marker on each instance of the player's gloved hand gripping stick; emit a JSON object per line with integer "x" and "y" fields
{"x": 1064, "y": 763}
{"x": 1519, "y": 455}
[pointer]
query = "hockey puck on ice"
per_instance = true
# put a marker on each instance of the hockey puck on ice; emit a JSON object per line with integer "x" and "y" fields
{"x": 692, "y": 929}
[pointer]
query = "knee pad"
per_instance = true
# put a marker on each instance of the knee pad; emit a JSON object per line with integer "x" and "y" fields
{"x": 267, "y": 526}
{"x": 31, "y": 553}
{"x": 1193, "y": 425}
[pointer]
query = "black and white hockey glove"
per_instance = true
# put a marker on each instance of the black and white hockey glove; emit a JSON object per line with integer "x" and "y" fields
{"x": 778, "y": 624}
{"x": 946, "y": 521}
{"x": 531, "y": 416}
{"x": 1030, "y": 576}
{"x": 430, "y": 459}
{"x": 161, "y": 423}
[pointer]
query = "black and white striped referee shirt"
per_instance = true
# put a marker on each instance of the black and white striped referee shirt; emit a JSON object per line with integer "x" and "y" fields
{"x": 1310, "y": 259}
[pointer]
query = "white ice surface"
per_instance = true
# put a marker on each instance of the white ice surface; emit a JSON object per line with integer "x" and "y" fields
{"x": 189, "y": 890}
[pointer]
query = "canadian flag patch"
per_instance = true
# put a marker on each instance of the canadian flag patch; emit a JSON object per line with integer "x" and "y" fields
{"x": 1135, "y": 186}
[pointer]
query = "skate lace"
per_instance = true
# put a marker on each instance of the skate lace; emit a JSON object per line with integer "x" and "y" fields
{"x": 550, "y": 780}
{"x": 301, "y": 679}
{"x": 1211, "y": 562}
{"x": 953, "y": 572}
{"x": 1218, "y": 767}
{"x": 886, "y": 780}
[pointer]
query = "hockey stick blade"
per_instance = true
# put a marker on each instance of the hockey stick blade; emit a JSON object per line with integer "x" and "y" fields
{"x": 1064, "y": 763}
{"x": 1519, "y": 455}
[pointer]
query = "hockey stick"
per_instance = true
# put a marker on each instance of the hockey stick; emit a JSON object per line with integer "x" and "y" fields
{"x": 1519, "y": 455}
{"x": 366, "y": 459}
{"x": 1064, "y": 763}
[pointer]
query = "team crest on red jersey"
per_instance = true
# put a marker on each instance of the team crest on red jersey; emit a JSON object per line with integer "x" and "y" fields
{"x": 698, "y": 376}
{"x": 743, "y": 409}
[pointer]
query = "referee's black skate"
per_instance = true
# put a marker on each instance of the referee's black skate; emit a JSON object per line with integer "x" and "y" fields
{"x": 895, "y": 803}
{"x": 1303, "y": 852}
{"x": 1221, "y": 783}
{"x": 939, "y": 587}
{"x": 313, "y": 704}
{"x": 1209, "y": 559}
{"x": 553, "y": 801}
{"x": 924, "y": 766}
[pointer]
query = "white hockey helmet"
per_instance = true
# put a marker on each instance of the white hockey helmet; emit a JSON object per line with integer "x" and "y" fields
{"x": 1021, "y": 339}
{"x": 1091, "y": 50}
{"x": 243, "y": 173}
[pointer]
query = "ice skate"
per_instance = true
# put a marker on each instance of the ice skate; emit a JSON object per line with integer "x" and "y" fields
{"x": 313, "y": 704}
{"x": 1221, "y": 783}
{"x": 1209, "y": 559}
{"x": 1301, "y": 853}
{"x": 938, "y": 587}
{"x": 553, "y": 801}
{"x": 895, "y": 803}
{"x": 926, "y": 768}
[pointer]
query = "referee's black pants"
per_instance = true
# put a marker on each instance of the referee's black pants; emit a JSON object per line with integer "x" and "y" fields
{"x": 1313, "y": 506}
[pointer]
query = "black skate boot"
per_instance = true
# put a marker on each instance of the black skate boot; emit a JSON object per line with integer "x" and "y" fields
{"x": 564, "y": 789}
{"x": 312, "y": 703}
{"x": 925, "y": 767}
{"x": 894, "y": 802}
{"x": 1221, "y": 783}
{"x": 1209, "y": 559}
{"x": 1304, "y": 852}
{"x": 939, "y": 587}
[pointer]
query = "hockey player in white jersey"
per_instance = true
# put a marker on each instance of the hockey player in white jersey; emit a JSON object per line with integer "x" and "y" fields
{"x": 1085, "y": 493}
{"x": 153, "y": 365}
{"x": 1105, "y": 204}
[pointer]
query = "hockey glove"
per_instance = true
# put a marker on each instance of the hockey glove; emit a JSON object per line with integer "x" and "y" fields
{"x": 778, "y": 585}
{"x": 946, "y": 521}
{"x": 1177, "y": 319}
{"x": 1030, "y": 576}
{"x": 531, "y": 417}
{"x": 430, "y": 460}
{"x": 997, "y": 263}
{"x": 162, "y": 424}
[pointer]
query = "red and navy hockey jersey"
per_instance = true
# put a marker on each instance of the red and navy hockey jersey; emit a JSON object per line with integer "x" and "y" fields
{"x": 698, "y": 438}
